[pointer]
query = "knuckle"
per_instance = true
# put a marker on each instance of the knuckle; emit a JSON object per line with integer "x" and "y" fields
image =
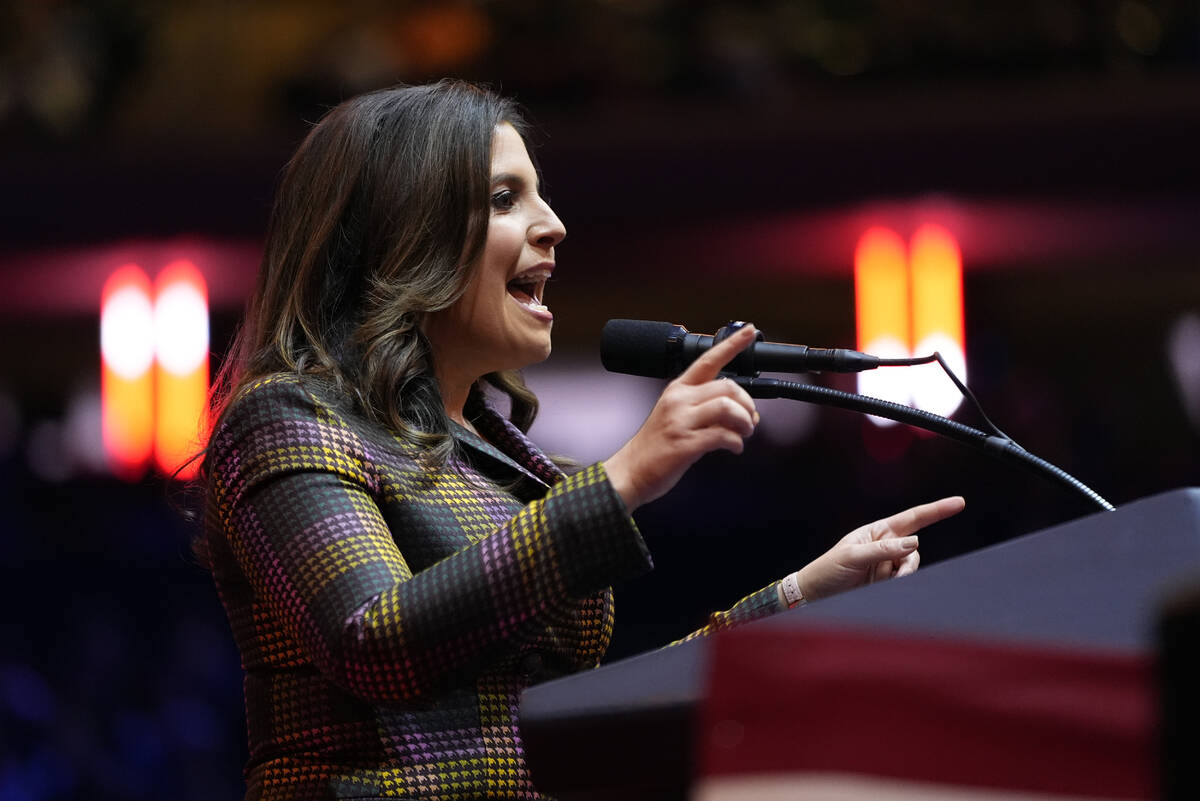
{"x": 672, "y": 400}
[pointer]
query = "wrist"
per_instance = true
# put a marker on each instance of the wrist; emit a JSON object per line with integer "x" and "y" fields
{"x": 618, "y": 476}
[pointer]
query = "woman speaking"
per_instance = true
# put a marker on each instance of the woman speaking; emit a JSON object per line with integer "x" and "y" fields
{"x": 396, "y": 559}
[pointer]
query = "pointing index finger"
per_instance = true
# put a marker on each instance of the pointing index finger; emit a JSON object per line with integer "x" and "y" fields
{"x": 709, "y": 365}
{"x": 918, "y": 517}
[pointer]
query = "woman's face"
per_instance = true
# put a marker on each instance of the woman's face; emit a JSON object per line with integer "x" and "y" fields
{"x": 501, "y": 322}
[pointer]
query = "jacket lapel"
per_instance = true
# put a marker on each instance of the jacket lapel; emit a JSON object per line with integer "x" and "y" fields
{"x": 502, "y": 442}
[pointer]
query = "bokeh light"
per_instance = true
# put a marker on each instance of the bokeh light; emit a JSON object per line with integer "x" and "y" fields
{"x": 881, "y": 294}
{"x": 127, "y": 352}
{"x": 935, "y": 269}
{"x": 181, "y": 375}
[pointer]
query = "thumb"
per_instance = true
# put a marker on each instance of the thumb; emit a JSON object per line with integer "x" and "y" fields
{"x": 901, "y": 545}
{"x": 869, "y": 553}
{"x": 708, "y": 365}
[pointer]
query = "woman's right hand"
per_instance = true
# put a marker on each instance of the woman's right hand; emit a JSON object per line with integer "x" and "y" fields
{"x": 694, "y": 415}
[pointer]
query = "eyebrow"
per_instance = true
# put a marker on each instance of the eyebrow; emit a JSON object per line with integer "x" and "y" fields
{"x": 513, "y": 178}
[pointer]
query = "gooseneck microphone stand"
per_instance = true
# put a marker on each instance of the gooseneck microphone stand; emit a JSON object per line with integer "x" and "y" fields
{"x": 663, "y": 350}
{"x": 999, "y": 446}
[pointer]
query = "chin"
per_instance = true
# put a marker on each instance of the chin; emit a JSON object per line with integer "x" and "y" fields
{"x": 538, "y": 355}
{"x": 522, "y": 356}
{"x": 536, "y": 352}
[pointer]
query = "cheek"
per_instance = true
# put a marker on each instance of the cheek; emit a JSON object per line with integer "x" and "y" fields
{"x": 480, "y": 311}
{"x": 505, "y": 238}
{"x": 500, "y": 257}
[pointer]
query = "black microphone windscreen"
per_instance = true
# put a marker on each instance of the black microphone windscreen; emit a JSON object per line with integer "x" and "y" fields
{"x": 636, "y": 347}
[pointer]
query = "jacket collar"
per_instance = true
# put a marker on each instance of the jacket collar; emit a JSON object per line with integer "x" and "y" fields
{"x": 503, "y": 442}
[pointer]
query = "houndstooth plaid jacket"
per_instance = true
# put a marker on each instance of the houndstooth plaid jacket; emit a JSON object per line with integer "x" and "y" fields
{"x": 388, "y": 617}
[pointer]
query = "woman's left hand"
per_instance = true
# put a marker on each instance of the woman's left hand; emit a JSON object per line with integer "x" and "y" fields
{"x": 874, "y": 552}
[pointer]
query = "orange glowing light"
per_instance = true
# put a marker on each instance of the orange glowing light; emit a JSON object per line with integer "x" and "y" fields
{"x": 881, "y": 289}
{"x": 935, "y": 265}
{"x": 126, "y": 387}
{"x": 181, "y": 368}
{"x": 882, "y": 311}
{"x": 937, "y": 297}
{"x": 910, "y": 305}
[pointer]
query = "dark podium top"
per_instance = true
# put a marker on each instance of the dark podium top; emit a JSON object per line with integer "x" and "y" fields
{"x": 1093, "y": 583}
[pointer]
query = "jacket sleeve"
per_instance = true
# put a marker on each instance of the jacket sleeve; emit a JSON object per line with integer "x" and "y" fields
{"x": 294, "y": 494}
{"x": 757, "y": 605}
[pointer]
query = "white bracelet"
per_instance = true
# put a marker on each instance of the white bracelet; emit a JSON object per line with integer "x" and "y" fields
{"x": 792, "y": 592}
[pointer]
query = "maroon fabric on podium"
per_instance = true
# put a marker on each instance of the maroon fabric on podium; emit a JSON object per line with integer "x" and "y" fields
{"x": 935, "y": 710}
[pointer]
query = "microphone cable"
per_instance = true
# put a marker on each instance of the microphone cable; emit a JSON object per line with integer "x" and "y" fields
{"x": 936, "y": 356}
{"x": 997, "y": 443}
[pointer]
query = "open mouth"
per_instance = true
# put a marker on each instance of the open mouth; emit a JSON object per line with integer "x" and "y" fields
{"x": 529, "y": 288}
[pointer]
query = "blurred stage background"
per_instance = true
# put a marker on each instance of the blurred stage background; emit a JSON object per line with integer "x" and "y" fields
{"x": 712, "y": 160}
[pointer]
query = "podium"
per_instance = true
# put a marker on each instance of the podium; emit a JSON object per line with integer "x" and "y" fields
{"x": 1089, "y": 589}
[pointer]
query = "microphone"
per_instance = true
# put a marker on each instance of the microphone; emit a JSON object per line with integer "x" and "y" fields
{"x": 664, "y": 350}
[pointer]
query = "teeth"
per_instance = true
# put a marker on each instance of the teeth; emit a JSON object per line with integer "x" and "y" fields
{"x": 532, "y": 284}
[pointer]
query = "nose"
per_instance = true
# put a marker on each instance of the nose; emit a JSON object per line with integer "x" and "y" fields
{"x": 548, "y": 230}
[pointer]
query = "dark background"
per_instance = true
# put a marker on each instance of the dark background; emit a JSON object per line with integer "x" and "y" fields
{"x": 711, "y": 160}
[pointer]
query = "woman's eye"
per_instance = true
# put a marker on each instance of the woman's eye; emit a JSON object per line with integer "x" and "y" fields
{"x": 504, "y": 200}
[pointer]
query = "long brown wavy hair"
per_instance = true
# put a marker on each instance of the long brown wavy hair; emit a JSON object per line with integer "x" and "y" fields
{"x": 379, "y": 220}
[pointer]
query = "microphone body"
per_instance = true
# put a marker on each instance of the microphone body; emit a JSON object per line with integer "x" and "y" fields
{"x": 664, "y": 350}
